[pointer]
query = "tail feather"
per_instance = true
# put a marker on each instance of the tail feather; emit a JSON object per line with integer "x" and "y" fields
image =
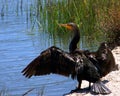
{"x": 100, "y": 88}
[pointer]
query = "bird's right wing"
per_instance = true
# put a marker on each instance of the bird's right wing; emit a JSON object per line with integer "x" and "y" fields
{"x": 52, "y": 60}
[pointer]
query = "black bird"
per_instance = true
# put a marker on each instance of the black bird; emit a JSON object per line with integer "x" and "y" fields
{"x": 106, "y": 59}
{"x": 103, "y": 59}
{"x": 73, "y": 63}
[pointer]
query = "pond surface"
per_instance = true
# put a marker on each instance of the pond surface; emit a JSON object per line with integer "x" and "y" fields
{"x": 18, "y": 46}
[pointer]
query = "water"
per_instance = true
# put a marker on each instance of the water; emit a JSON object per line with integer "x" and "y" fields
{"x": 18, "y": 46}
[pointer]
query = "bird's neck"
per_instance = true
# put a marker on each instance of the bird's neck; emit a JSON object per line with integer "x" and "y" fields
{"x": 74, "y": 41}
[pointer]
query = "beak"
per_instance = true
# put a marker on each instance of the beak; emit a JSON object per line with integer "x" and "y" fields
{"x": 66, "y": 26}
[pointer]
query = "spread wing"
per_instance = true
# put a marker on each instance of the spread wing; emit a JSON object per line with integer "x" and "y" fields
{"x": 52, "y": 60}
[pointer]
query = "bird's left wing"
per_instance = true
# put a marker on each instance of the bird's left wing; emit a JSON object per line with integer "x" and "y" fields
{"x": 52, "y": 60}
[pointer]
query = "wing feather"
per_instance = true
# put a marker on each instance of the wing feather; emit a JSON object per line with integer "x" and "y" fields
{"x": 52, "y": 60}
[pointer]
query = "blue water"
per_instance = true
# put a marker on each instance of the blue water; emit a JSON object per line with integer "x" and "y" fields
{"x": 20, "y": 44}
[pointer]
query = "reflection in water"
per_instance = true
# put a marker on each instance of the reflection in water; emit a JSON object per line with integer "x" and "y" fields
{"x": 20, "y": 44}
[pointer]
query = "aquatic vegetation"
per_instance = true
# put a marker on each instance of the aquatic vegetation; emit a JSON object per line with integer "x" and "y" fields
{"x": 88, "y": 14}
{"x": 4, "y": 92}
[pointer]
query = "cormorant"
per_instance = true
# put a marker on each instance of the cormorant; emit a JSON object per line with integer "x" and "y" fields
{"x": 103, "y": 59}
{"x": 73, "y": 63}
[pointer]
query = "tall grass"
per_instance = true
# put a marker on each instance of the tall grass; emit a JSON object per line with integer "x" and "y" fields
{"x": 88, "y": 14}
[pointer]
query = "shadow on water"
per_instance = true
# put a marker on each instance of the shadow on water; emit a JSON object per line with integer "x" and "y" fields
{"x": 28, "y": 27}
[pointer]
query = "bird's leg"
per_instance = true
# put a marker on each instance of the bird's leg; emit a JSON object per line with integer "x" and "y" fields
{"x": 79, "y": 84}
{"x": 78, "y": 87}
{"x": 89, "y": 85}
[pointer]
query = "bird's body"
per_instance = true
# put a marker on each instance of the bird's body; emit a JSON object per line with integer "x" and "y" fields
{"x": 106, "y": 59}
{"x": 73, "y": 63}
{"x": 103, "y": 59}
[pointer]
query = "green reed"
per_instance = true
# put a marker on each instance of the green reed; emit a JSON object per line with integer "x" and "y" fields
{"x": 88, "y": 14}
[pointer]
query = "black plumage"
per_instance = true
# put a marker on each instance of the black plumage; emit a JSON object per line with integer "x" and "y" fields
{"x": 103, "y": 59}
{"x": 73, "y": 63}
{"x": 106, "y": 59}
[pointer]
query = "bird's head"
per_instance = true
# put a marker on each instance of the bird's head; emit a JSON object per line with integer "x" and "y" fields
{"x": 103, "y": 45}
{"x": 70, "y": 26}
